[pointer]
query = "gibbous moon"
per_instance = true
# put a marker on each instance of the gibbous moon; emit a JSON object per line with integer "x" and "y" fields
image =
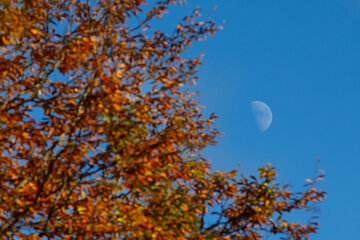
{"x": 262, "y": 115}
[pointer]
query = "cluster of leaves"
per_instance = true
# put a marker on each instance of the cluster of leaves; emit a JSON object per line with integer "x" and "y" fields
{"x": 98, "y": 140}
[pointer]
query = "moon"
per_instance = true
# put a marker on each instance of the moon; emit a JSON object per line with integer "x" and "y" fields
{"x": 262, "y": 115}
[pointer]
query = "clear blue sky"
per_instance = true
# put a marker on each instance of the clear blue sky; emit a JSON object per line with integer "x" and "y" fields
{"x": 303, "y": 59}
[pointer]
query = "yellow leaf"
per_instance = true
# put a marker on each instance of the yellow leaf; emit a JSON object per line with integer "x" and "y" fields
{"x": 34, "y": 31}
{"x": 81, "y": 210}
{"x": 25, "y": 135}
{"x": 284, "y": 224}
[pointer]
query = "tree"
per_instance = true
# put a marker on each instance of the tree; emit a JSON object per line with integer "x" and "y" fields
{"x": 99, "y": 139}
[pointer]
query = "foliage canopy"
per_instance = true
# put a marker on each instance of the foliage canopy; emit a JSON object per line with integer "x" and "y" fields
{"x": 99, "y": 139}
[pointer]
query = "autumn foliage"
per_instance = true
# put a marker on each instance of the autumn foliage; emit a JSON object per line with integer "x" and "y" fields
{"x": 100, "y": 139}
